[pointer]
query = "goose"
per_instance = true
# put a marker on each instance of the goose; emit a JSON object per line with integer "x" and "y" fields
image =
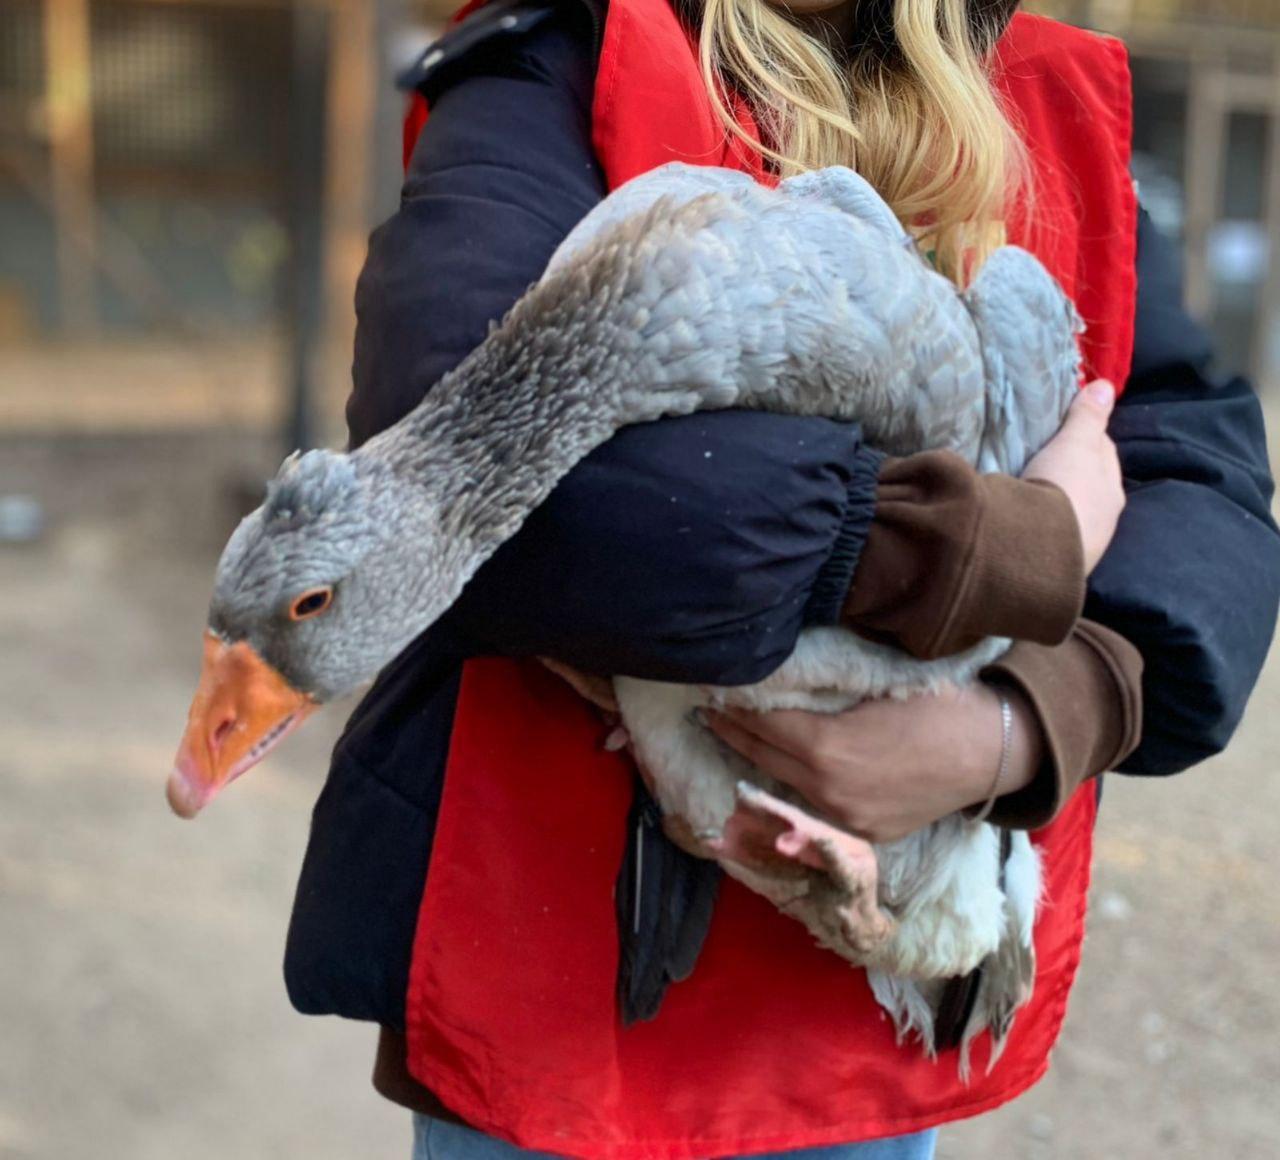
{"x": 689, "y": 288}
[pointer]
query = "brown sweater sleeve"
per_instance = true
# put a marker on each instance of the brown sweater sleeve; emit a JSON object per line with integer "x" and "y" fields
{"x": 954, "y": 556}
{"x": 1086, "y": 694}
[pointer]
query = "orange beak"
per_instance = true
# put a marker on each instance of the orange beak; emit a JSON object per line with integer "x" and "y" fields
{"x": 242, "y": 709}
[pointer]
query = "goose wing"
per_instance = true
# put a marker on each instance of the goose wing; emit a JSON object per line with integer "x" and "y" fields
{"x": 1028, "y": 330}
{"x": 676, "y": 183}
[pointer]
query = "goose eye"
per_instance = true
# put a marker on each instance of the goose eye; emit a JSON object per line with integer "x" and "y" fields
{"x": 311, "y": 603}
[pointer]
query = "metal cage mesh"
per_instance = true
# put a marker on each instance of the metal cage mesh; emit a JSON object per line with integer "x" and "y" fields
{"x": 21, "y": 50}
{"x": 190, "y": 86}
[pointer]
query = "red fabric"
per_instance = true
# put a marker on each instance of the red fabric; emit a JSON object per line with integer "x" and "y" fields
{"x": 415, "y": 117}
{"x": 651, "y": 105}
{"x": 773, "y": 1043}
{"x": 1070, "y": 94}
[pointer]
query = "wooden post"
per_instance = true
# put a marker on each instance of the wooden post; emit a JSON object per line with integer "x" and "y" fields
{"x": 308, "y": 119}
{"x": 1206, "y": 147}
{"x": 1266, "y": 355}
{"x": 388, "y": 114}
{"x": 363, "y": 154}
{"x": 68, "y": 99}
{"x": 352, "y": 84}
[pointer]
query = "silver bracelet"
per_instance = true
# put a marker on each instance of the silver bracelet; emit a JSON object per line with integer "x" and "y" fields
{"x": 1006, "y": 757}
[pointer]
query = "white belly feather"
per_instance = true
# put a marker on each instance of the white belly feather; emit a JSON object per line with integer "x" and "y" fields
{"x": 942, "y": 885}
{"x": 837, "y": 315}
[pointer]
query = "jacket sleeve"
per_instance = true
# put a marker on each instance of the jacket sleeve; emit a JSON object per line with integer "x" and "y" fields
{"x": 689, "y": 549}
{"x": 500, "y": 175}
{"x": 1193, "y": 576}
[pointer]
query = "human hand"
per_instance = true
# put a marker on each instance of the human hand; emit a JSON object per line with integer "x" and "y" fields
{"x": 597, "y": 690}
{"x": 887, "y": 768}
{"x": 1081, "y": 459}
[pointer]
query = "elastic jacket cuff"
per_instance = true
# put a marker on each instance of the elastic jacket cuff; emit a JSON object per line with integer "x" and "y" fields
{"x": 831, "y": 588}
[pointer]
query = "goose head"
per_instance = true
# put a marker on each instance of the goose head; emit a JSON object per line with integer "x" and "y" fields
{"x": 682, "y": 305}
{"x": 352, "y": 556}
{"x": 309, "y": 601}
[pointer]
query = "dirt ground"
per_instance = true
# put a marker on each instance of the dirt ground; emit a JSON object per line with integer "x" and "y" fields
{"x": 142, "y": 1013}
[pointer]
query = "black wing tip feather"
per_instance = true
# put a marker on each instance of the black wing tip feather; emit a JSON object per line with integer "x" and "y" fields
{"x": 664, "y": 901}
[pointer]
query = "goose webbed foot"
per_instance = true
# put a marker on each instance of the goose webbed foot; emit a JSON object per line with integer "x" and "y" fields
{"x": 774, "y": 838}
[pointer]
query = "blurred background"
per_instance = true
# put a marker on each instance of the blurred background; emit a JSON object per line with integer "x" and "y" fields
{"x": 186, "y": 187}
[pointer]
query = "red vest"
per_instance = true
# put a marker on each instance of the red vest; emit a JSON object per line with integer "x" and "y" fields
{"x": 773, "y": 1043}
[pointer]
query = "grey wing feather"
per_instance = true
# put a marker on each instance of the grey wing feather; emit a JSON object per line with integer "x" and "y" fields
{"x": 850, "y": 193}
{"x": 676, "y": 182}
{"x": 1028, "y": 329}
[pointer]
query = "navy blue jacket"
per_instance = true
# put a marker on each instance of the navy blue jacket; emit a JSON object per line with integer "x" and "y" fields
{"x": 504, "y": 171}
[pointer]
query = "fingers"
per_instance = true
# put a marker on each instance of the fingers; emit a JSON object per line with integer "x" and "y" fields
{"x": 1093, "y": 404}
{"x": 791, "y": 730}
{"x": 763, "y": 754}
{"x": 597, "y": 690}
{"x": 1092, "y": 410}
{"x": 1082, "y": 460}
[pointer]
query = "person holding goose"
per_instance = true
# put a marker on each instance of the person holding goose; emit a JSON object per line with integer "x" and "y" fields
{"x": 488, "y": 882}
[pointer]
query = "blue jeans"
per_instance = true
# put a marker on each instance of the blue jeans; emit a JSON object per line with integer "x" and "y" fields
{"x": 438, "y": 1140}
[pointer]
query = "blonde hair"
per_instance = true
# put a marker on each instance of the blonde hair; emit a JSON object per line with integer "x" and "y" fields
{"x": 913, "y": 112}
